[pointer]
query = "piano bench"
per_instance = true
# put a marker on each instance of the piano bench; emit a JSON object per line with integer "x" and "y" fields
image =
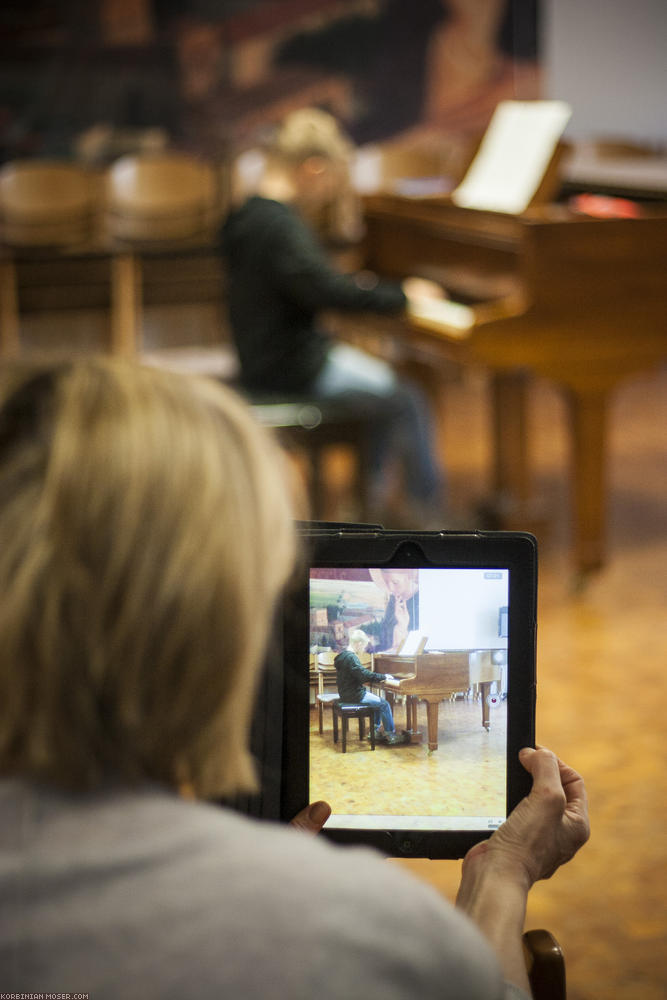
{"x": 324, "y": 701}
{"x": 345, "y": 711}
{"x": 312, "y": 426}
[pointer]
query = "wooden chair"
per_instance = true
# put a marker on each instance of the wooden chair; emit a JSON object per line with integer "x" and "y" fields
{"x": 45, "y": 206}
{"x": 158, "y": 197}
{"x": 326, "y": 673}
{"x": 546, "y": 965}
{"x": 154, "y": 202}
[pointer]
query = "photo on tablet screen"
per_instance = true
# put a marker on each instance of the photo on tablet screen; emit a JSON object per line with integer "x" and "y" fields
{"x": 425, "y": 650}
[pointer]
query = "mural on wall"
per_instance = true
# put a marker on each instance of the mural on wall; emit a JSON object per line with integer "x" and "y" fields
{"x": 91, "y": 78}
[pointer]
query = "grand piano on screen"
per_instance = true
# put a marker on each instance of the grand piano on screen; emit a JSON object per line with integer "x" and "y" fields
{"x": 434, "y": 677}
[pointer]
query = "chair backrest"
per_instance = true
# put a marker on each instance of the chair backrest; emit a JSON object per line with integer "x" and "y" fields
{"x": 46, "y": 203}
{"x": 161, "y": 196}
{"x": 545, "y": 964}
{"x": 326, "y": 659}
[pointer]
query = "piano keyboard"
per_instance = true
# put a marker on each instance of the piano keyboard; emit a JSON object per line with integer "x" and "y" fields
{"x": 442, "y": 313}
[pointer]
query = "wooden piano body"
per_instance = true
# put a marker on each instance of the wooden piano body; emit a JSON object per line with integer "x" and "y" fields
{"x": 579, "y": 300}
{"x": 432, "y": 677}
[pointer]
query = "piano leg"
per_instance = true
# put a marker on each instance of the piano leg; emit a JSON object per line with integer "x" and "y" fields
{"x": 432, "y": 720}
{"x": 588, "y": 420}
{"x": 510, "y": 441}
{"x": 411, "y": 714}
{"x": 411, "y": 721}
{"x": 512, "y": 505}
{"x": 484, "y": 689}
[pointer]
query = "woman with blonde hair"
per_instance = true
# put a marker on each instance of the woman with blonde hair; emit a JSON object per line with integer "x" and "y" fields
{"x": 145, "y": 535}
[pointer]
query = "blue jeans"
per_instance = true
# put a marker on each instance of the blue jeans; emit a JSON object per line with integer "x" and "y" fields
{"x": 400, "y": 423}
{"x": 384, "y": 711}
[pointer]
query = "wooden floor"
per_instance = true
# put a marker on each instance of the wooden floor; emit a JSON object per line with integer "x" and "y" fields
{"x": 602, "y": 673}
{"x": 602, "y": 689}
{"x": 465, "y": 776}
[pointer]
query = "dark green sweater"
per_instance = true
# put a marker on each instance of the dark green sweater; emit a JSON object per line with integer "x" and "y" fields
{"x": 350, "y": 677}
{"x": 279, "y": 279}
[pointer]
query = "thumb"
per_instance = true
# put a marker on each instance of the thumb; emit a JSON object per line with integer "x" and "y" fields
{"x": 313, "y": 817}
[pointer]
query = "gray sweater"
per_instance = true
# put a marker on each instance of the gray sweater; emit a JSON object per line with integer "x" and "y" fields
{"x": 143, "y": 895}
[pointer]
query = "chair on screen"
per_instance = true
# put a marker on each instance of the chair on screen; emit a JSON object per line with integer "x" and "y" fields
{"x": 326, "y": 675}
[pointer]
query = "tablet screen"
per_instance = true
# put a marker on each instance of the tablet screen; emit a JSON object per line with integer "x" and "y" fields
{"x": 420, "y": 655}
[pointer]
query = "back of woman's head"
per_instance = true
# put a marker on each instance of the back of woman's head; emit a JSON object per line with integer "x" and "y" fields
{"x": 145, "y": 533}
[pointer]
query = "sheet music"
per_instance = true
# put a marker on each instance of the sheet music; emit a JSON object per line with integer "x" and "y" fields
{"x": 414, "y": 643}
{"x": 513, "y": 156}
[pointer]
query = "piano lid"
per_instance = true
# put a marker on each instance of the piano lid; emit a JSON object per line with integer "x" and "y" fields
{"x": 615, "y": 169}
{"x": 514, "y": 156}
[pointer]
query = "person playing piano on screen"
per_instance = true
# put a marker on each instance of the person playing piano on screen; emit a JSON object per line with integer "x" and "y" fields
{"x": 280, "y": 279}
{"x": 351, "y": 678}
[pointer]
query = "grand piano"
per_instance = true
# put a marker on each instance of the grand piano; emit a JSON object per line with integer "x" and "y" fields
{"x": 580, "y": 300}
{"x": 432, "y": 677}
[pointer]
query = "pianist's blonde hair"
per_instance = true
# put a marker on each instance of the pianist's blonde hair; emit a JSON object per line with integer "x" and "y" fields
{"x": 358, "y": 638}
{"x": 145, "y": 533}
{"x": 310, "y": 132}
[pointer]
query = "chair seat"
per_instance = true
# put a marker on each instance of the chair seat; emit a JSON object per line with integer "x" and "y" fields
{"x": 354, "y": 709}
{"x": 313, "y": 425}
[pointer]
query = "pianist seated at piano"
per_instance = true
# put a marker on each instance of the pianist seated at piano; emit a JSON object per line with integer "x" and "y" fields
{"x": 280, "y": 279}
{"x": 351, "y": 677}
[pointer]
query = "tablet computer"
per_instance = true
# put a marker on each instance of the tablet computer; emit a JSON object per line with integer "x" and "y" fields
{"x": 409, "y": 684}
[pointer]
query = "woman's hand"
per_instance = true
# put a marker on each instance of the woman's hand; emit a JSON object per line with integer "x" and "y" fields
{"x": 312, "y": 818}
{"x": 546, "y": 829}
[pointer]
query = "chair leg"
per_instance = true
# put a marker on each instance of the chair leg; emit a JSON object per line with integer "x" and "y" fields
{"x": 361, "y": 727}
{"x": 371, "y": 723}
{"x": 335, "y": 725}
{"x": 344, "y": 728}
{"x": 320, "y": 714}
{"x": 125, "y": 304}
{"x": 10, "y": 344}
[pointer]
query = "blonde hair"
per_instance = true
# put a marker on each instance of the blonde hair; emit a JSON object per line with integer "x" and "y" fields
{"x": 357, "y": 636}
{"x": 145, "y": 534}
{"x": 310, "y": 132}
